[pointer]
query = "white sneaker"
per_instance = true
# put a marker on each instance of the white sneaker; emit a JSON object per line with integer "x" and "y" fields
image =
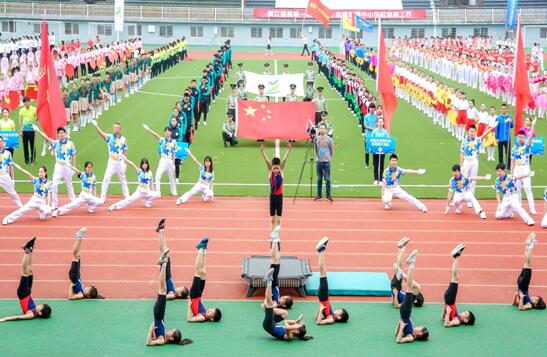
{"x": 54, "y": 213}
{"x": 177, "y": 180}
{"x": 204, "y": 123}
{"x": 412, "y": 257}
{"x": 178, "y": 202}
{"x": 403, "y": 242}
{"x": 531, "y": 240}
{"x": 533, "y": 212}
{"x": 387, "y": 206}
{"x": 424, "y": 209}
{"x": 81, "y": 233}
{"x": 458, "y": 210}
{"x": 5, "y": 221}
{"x": 43, "y": 153}
{"x": 469, "y": 205}
{"x": 375, "y": 183}
{"x": 112, "y": 208}
{"x": 482, "y": 215}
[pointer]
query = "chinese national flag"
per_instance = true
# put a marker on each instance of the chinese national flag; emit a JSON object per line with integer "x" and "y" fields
{"x": 318, "y": 10}
{"x": 51, "y": 110}
{"x": 264, "y": 120}
{"x": 521, "y": 87}
{"x": 384, "y": 83}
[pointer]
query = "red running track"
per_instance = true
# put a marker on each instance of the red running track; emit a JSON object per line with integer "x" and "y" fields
{"x": 121, "y": 248}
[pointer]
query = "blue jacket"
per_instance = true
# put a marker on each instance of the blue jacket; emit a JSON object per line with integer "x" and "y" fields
{"x": 503, "y": 129}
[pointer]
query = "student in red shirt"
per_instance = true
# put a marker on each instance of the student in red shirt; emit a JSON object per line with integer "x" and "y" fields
{"x": 276, "y": 167}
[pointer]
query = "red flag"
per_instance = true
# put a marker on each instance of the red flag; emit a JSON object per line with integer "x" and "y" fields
{"x": 51, "y": 110}
{"x": 521, "y": 87}
{"x": 384, "y": 83}
{"x": 31, "y": 91}
{"x": 69, "y": 70}
{"x": 264, "y": 120}
{"x": 318, "y": 10}
{"x": 10, "y": 100}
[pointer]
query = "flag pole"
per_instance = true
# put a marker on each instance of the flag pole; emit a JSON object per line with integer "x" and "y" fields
{"x": 378, "y": 54}
{"x": 304, "y": 19}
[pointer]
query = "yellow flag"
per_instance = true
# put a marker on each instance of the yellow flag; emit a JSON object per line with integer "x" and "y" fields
{"x": 346, "y": 25}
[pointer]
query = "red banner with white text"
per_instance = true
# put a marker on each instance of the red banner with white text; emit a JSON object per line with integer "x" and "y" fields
{"x": 271, "y": 13}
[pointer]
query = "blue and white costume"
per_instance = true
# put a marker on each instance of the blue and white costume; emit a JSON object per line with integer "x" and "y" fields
{"x": 204, "y": 185}
{"x": 117, "y": 146}
{"x": 64, "y": 152}
{"x": 470, "y": 163}
{"x": 461, "y": 187}
{"x": 505, "y": 187}
{"x": 88, "y": 182}
{"x": 521, "y": 156}
{"x": 390, "y": 181}
{"x": 38, "y": 201}
{"x": 143, "y": 192}
{"x": 167, "y": 150}
{"x": 6, "y": 162}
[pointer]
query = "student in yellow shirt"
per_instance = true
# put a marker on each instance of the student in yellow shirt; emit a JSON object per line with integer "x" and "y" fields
{"x": 27, "y": 119}
{"x": 7, "y": 124}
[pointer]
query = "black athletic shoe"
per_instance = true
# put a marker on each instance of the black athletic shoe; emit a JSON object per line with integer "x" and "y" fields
{"x": 329, "y": 198}
{"x": 29, "y": 245}
{"x": 161, "y": 225}
{"x": 317, "y": 198}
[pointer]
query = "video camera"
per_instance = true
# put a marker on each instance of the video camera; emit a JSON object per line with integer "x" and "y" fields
{"x": 311, "y": 130}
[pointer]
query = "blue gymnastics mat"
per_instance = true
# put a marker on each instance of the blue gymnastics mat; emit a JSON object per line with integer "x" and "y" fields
{"x": 352, "y": 284}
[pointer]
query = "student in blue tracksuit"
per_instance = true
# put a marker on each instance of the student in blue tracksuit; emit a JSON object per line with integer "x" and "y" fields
{"x": 204, "y": 100}
{"x": 504, "y": 123}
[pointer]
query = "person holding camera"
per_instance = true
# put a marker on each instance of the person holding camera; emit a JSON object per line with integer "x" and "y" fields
{"x": 324, "y": 149}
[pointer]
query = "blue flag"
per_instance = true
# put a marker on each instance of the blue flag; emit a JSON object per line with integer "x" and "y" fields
{"x": 363, "y": 24}
{"x": 11, "y": 138}
{"x": 511, "y": 17}
{"x": 377, "y": 145}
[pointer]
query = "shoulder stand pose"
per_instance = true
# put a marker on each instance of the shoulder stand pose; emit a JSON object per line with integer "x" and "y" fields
{"x": 522, "y": 297}
{"x": 173, "y": 292}
{"x": 28, "y": 306}
{"x": 325, "y": 314}
{"x": 397, "y": 293}
{"x": 450, "y": 315}
{"x": 77, "y": 291}
{"x": 196, "y": 311}
{"x": 157, "y": 333}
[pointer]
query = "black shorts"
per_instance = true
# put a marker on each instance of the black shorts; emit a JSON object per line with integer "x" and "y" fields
{"x": 25, "y": 287}
{"x": 269, "y": 320}
{"x": 450, "y": 294}
{"x": 159, "y": 307}
{"x": 276, "y": 268}
{"x": 406, "y": 307}
{"x": 276, "y": 205}
{"x": 523, "y": 281}
{"x": 323, "y": 291}
{"x": 197, "y": 287}
{"x": 396, "y": 284}
{"x": 74, "y": 272}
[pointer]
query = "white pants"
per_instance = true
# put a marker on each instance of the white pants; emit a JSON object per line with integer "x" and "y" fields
{"x": 147, "y": 195}
{"x": 398, "y": 192}
{"x": 168, "y": 165}
{"x": 544, "y": 221}
{"x": 36, "y": 203}
{"x": 205, "y": 189}
{"x": 470, "y": 168}
{"x": 525, "y": 183}
{"x": 84, "y": 198}
{"x": 61, "y": 173}
{"x": 508, "y": 205}
{"x": 7, "y": 184}
{"x": 466, "y": 197}
{"x": 114, "y": 167}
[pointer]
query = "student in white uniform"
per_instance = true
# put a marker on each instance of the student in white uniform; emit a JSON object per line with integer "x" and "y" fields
{"x": 167, "y": 150}
{"x": 390, "y": 185}
{"x": 88, "y": 195}
{"x": 205, "y": 181}
{"x": 65, "y": 153}
{"x": 40, "y": 200}
{"x": 7, "y": 177}
{"x": 520, "y": 164}
{"x": 145, "y": 189}
{"x": 117, "y": 148}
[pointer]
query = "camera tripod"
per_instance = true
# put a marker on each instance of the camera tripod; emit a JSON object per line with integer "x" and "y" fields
{"x": 309, "y": 158}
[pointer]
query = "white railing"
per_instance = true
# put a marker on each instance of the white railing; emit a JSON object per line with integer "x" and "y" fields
{"x": 26, "y": 10}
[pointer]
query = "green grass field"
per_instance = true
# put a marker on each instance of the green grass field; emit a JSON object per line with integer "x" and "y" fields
{"x": 240, "y": 171}
{"x": 81, "y": 328}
